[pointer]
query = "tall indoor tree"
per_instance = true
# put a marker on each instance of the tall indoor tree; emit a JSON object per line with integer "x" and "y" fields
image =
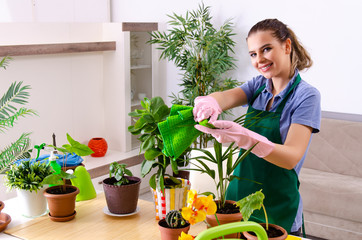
{"x": 202, "y": 52}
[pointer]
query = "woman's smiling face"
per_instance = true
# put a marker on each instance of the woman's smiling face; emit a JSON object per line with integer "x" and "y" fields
{"x": 270, "y": 57}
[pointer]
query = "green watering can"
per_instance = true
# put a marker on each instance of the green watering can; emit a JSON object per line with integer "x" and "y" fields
{"x": 230, "y": 228}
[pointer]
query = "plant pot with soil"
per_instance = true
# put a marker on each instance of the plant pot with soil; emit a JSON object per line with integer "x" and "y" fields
{"x": 223, "y": 159}
{"x": 27, "y": 178}
{"x": 229, "y": 213}
{"x": 153, "y": 112}
{"x": 255, "y": 201}
{"x": 61, "y": 197}
{"x": 121, "y": 189}
{"x": 173, "y": 225}
{"x": 61, "y": 202}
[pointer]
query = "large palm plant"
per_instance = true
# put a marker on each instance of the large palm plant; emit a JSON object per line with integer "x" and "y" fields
{"x": 202, "y": 52}
{"x": 16, "y": 95}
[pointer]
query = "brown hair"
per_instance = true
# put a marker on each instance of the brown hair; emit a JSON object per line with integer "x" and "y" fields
{"x": 299, "y": 57}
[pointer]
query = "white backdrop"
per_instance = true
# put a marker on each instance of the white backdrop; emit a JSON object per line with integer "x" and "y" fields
{"x": 330, "y": 30}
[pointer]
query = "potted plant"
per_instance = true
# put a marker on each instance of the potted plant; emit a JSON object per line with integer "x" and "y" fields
{"x": 202, "y": 52}
{"x": 153, "y": 112}
{"x": 17, "y": 94}
{"x": 61, "y": 198}
{"x": 223, "y": 159}
{"x": 121, "y": 189}
{"x": 5, "y": 219}
{"x": 27, "y": 178}
{"x": 253, "y": 202}
{"x": 173, "y": 225}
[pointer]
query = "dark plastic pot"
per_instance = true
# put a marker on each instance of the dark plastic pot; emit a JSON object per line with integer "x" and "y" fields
{"x": 122, "y": 199}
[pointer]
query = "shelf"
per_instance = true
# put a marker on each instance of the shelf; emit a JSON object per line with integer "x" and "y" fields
{"x": 54, "y": 48}
{"x": 141, "y": 67}
{"x": 136, "y": 103}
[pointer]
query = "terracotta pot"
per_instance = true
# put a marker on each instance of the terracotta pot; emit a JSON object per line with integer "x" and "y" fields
{"x": 168, "y": 233}
{"x": 225, "y": 218}
{"x": 2, "y": 205}
{"x": 121, "y": 199}
{"x": 5, "y": 219}
{"x": 61, "y": 206}
{"x": 284, "y": 236}
{"x": 99, "y": 146}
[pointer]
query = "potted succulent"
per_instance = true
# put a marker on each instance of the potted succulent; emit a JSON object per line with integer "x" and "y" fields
{"x": 61, "y": 198}
{"x": 173, "y": 225}
{"x": 153, "y": 112}
{"x": 27, "y": 178}
{"x": 121, "y": 189}
{"x": 17, "y": 94}
{"x": 253, "y": 202}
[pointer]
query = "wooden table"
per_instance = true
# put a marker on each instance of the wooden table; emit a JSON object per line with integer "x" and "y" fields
{"x": 91, "y": 223}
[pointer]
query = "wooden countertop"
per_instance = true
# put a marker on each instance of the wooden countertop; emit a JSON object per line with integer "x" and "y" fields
{"x": 91, "y": 223}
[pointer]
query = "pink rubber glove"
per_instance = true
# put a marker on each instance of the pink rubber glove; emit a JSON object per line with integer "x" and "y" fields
{"x": 228, "y": 131}
{"x": 206, "y": 107}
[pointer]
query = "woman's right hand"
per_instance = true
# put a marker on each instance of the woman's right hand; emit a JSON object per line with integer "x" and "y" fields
{"x": 206, "y": 107}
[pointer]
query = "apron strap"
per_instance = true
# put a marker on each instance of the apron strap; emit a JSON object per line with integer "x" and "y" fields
{"x": 256, "y": 94}
{"x": 285, "y": 99}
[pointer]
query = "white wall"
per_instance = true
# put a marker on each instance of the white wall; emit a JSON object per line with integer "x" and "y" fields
{"x": 330, "y": 30}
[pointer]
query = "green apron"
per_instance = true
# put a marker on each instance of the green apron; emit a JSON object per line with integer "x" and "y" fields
{"x": 280, "y": 186}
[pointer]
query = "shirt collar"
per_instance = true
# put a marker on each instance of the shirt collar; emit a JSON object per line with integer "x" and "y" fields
{"x": 269, "y": 85}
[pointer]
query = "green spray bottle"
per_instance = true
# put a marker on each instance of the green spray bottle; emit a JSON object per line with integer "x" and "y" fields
{"x": 84, "y": 183}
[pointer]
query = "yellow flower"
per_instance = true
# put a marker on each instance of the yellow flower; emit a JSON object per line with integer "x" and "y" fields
{"x": 185, "y": 236}
{"x": 191, "y": 197}
{"x": 198, "y": 207}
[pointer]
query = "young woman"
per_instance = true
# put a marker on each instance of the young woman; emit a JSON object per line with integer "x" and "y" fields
{"x": 289, "y": 109}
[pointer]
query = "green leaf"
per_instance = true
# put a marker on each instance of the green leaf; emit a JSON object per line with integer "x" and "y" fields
{"x": 152, "y": 153}
{"x": 146, "y": 167}
{"x": 250, "y": 203}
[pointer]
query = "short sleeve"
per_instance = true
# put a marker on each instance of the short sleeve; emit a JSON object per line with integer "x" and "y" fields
{"x": 308, "y": 109}
{"x": 251, "y": 86}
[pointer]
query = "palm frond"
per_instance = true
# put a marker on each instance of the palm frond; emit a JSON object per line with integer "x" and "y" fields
{"x": 16, "y": 150}
{"x": 8, "y": 122}
{"x": 5, "y": 62}
{"x": 17, "y": 94}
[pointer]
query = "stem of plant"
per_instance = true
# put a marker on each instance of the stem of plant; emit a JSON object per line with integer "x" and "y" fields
{"x": 218, "y": 222}
{"x": 266, "y": 218}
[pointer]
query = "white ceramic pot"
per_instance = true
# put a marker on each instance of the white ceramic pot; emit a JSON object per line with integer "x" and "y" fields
{"x": 33, "y": 204}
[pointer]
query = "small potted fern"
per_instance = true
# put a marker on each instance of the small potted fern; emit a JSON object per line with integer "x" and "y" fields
{"x": 27, "y": 178}
{"x": 121, "y": 189}
{"x": 173, "y": 225}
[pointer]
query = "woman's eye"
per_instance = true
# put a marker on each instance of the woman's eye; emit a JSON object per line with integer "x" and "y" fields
{"x": 267, "y": 49}
{"x": 252, "y": 54}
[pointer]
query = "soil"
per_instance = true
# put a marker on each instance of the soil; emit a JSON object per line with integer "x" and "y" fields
{"x": 228, "y": 209}
{"x": 163, "y": 223}
{"x": 111, "y": 181}
{"x": 60, "y": 190}
{"x": 272, "y": 232}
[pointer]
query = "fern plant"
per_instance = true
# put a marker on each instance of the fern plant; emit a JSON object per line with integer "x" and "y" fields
{"x": 202, "y": 52}
{"x": 16, "y": 95}
{"x": 27, "y": 176}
